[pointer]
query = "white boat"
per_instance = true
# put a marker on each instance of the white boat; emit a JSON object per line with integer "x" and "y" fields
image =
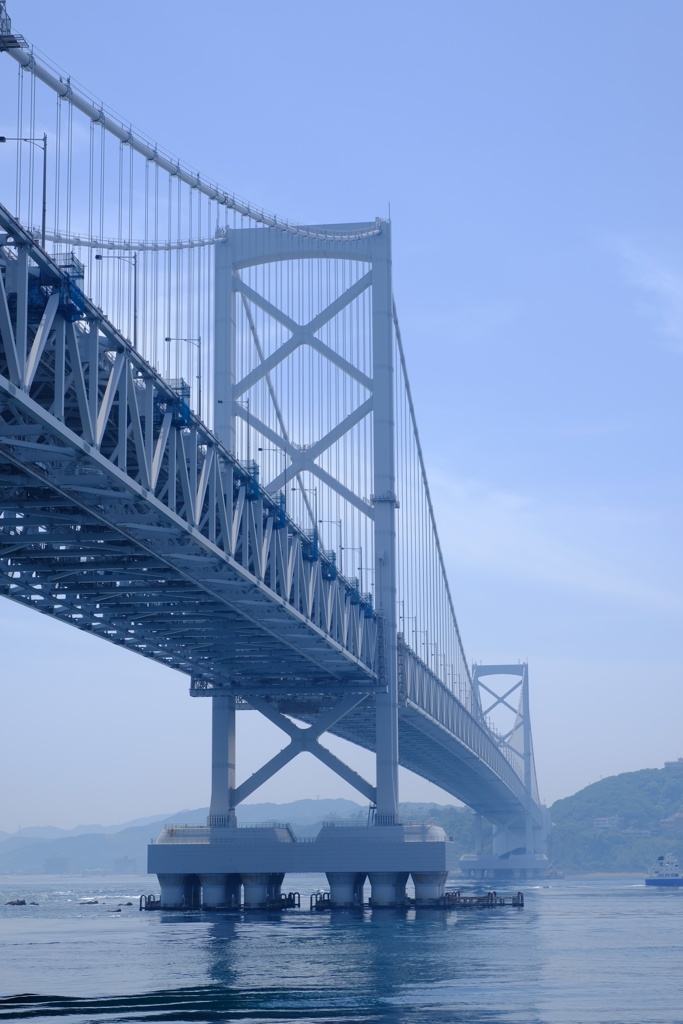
{"x": 664, "y": 872}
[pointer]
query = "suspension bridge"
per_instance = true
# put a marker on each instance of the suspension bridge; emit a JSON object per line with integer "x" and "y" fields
{"x": 209, "y": 455}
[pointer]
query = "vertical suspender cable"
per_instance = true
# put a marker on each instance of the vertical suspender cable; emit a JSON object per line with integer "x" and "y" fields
{"x": 167, "y": 276}
{"x": 91, "y": 198}
{"x": 31, "y": 148}
{"x": 58, "y": 160}
{"x": 129, "y": 267}
{"x": 101, "y": 212}
{"x": 20, "y": 132}
{"x": 69, "y": 167}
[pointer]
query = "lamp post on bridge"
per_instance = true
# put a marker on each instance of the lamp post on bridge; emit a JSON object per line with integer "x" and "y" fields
{"x": 403, "y": 618}
{"x": 133, "y": 260}
{"x": 197, "y": 342}
{"x": 338, "y": 524}
{"x": 420, "y": 632}
{"x": 314, "y": 491}
{"x": 359, "y": 549}
{"x": 369, "y": 569}
{"x": 42, "y": 142}
{"x": 246, "y": 404}
{"x": 283, "y": 453}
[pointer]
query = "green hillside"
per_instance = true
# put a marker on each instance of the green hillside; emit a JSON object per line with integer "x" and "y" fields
{"x": 622, "y": 823}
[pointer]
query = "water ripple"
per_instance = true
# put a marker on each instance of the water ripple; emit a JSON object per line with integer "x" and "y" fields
{"x": 195, "y": 1004}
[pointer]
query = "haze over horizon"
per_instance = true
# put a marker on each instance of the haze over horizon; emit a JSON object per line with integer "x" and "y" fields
{"x": 530, "y": 157}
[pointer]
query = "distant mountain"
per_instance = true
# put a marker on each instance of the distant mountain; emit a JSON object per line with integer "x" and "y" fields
{"x": 618, "y": 824}
{"x": 124, "y": 850}
{"x": 622, "y": 823}
{"x": 53, "y": 832}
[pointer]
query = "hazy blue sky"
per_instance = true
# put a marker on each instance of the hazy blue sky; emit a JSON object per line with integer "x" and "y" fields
{"x": 533, "y": 158}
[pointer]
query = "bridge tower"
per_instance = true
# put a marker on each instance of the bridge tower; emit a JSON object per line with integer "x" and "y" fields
{"x": 519, "y": 847}
{"x": 260, "y": 399}
{"x": 251, "y": 404}
{"x": 297, "y": 312}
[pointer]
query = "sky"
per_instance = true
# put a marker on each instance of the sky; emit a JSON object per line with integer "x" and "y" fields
{"x": 531, "y": 159}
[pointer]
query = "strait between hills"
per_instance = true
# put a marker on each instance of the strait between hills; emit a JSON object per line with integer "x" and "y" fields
{"x": 619, "y": 824}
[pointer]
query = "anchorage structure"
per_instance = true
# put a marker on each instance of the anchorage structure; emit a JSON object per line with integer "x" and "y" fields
{"x": 239, "y": 494}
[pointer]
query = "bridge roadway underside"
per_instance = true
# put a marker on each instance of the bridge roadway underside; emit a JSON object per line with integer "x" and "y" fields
{"x": 90, "y": 547}
{"x": 98, "y": 552}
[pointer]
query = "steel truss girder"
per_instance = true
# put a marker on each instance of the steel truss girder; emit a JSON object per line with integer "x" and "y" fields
{"x": 87, "y": 427}
{"x": 470, "y": 743}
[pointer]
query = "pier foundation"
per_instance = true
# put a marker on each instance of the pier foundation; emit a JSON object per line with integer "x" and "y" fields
{"x": 388, "y": 888}
{"x": 256, "y": 890}
{"x": 429, "y": 885}
{"x": 346, "y": 888}
{"x": 207, "y": 866}
{"x": 172, "y": 890}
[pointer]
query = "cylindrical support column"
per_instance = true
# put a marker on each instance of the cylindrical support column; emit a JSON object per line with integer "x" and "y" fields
{"x": 172, "y": 891}
{"x": 429, "y": 885}
{"x": 213, "y": 890}
{"x": 344, "y": 887}
{"x": 388, "y": 888}
{"x": 255, "y": 890}
{"x": 221, "y": 811}
{"x": 477, "y": 833}
{"x": 384, "y": 503}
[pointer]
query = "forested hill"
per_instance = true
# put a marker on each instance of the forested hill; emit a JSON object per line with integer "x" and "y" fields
{"x": 622, "y": 823}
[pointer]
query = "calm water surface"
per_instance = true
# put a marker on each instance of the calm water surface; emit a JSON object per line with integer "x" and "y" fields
{"x": 598, "y": 951}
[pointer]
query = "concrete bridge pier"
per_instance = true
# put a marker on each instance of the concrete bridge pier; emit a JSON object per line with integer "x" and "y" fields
{"x": 388, "y": 888}
{"x": 346, "y": 888}
{"x": 172, "y": 891}
{"x": 220, "y": 890}
{"x": 429, "y": 885}
{"x": 213, "y": 890}
{"x": 256, "y": 890}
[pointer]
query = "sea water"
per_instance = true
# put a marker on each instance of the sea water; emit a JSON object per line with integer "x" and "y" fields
{"x": 581, "y": 951}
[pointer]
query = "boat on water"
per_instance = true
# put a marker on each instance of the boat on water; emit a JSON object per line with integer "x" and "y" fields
{"x": 664, "y": 872}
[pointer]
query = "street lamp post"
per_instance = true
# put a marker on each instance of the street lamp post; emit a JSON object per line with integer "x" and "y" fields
{"x": 359, "y": 549}
{"x": 43, "y": 144}
{"x": 133, "y": 260}
{"x": 197, "y": 342}
{"x": 425, "y": 642}
{"x": 283, "y": 453}
{"x": 314, "y": 491}
{"x": 245, "y": 403}
{"x": 338, "y": 524}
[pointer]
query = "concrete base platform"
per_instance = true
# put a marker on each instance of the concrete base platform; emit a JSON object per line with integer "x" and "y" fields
{"x": 202, "y": 866}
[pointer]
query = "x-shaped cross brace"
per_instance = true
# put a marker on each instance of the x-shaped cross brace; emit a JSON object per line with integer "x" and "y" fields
{"x": 304, "y": 739}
